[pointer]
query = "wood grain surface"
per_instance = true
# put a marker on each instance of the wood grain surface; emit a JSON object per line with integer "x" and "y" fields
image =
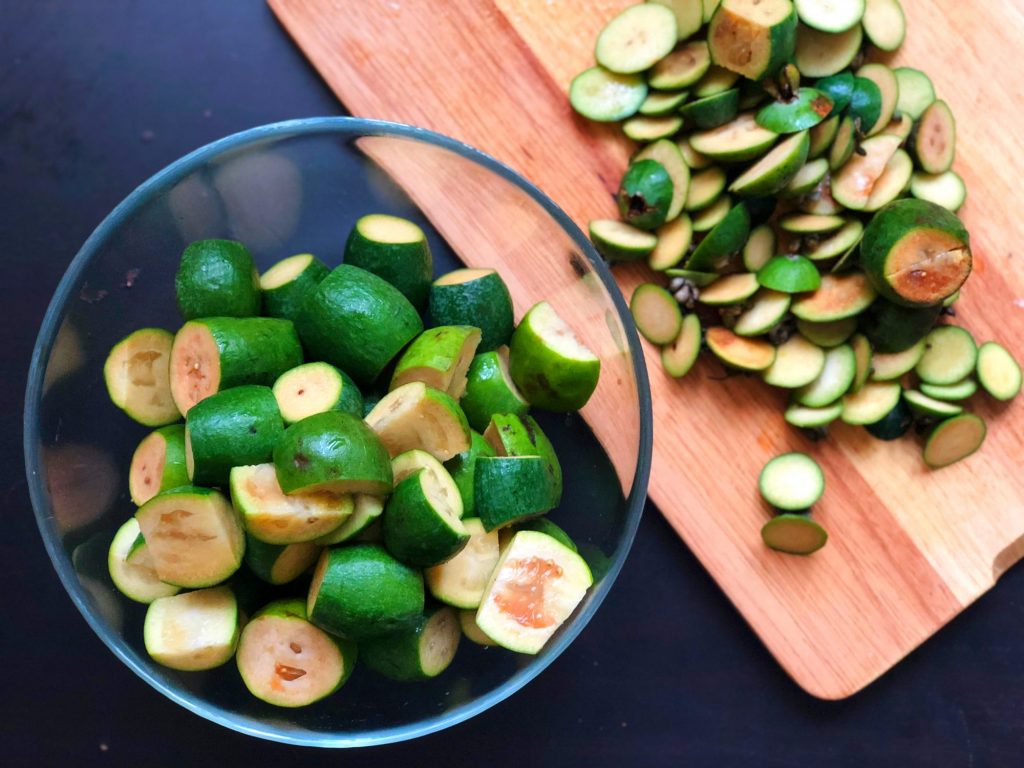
{"x": 909, "y": 548}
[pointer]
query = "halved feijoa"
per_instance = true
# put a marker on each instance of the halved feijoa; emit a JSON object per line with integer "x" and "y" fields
{"x": 461, "y": 581}
{"x": 193, "y": 631}
{"x": 137, "y": 376}
{"x": 280, "y": 563}
{"x": 474, "y": 297}
{"x": 754, "y": 38}
{"x": 806, "y": 109}
{"x": 508, "y": 489}
{"x": 158, "y": 464}
{"x": 217, "y": 278}
{"x": 419, "y": 653}
{"x": 854, "y": 182}
{"x": 417, "y": 416}
{"x": 287, "y": 283}
{"x": 136, "y": 580}
{"x": 790, "y": 273}
{"x": 440, "y": 358}
{"x": 490, "y": 390}
{"x": 421, "y": 524}
{"x": 394, "y": 249}
{"x": 315, "y": 388}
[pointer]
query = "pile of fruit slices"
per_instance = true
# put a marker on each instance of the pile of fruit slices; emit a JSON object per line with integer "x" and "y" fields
{"x": 798, "y": 201}
{"x": 390, "y": 472}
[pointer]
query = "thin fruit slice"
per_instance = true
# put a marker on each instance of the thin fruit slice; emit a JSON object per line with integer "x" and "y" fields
{"x": 272, "y": 517}
{"x": 806, "y": 109}
{"x": 885, "y": 24}
{"x": 637, "y": 38}
{"x": 760, "y": 248}
{"x": 367, "y": 509}
{"x": 794, "y": 535}
{"x": 361, "y": 592}
{"x": 286, "y": 285}
{"x": 843, "y": 146}
{"x": 916, "y": 253}
{"x": 461, "y": 581}
{"x": 935, "y": 139}
{"x": 792, "y": 482}
{"x": 738, "y": 352}
{"x": 871, "y": 403}
{"x": 742, "y": 139}
{"x": 808, "y": 177}
{"x": 839, "y": 243}
{"x": 895, "y": 365}
{"x": 839, "y": 88}
{"x": 607, "y": 97}
{"x": 954, "y": 440}
{"x": 829, "y": 334}
{"x": 754, "y": 38}
{"x": 193, "y": 535}
{"x": 715, "y": 81}
{"x": 929, "y": 406}
{"x": 620, "y": 242}
{"x": 217, "y": 278}
{"x": 421, "y": 652}
{"x": 767, "y": 309}
{"x": 694, "y": 159}
{"x": 158, "y": 464}
{"x": 512, "y": 436}
{"x": 791, "y": 273}
{"x": 644, "y": 128}
{"x": 729, "y": 290}
{"x": 280, "y": 563}
{"x": 712, "y": 111}
{"x": 863, "y": 353}
{"x": 708, "y": 218}
{"x": 357, "y": 321}
{"x": 656, "y": 313}
{"x": 822, "y": 136}
{"x": 813, "y": 418}
{"x": 674, "y": 240}
{"x": 490, "y": 390}
{"x": 894, "y": 424}
{"x": 678, "y": 357}
{"x": 998, "y": 371}
{"x": 830, "y": 15}
{"x": 137, "y": 580}
{"x": 421, "y": 524}
{"x": 553, "y": 369}
{"x": 534, "y": 589}
{"x": 416, "y": 416}
{"x": 945, "y": 189}
{"x": 916, "y": 92}
{"x": 836, "y": 377}
{"x": 901, "y": 126}
{"x": 671, "y": 158}
{"x": 839, "y": 297}
{"x": 798, "y": 362}
{"x": 889, "y": 89}
{"x": 776, "y": 169}
{"x": 440, "y": 358}
{"x": 286, "y": 661}
{"x": 509, "y": 489}
{"x": 332, "y": 452}
{"x": 950, "y": 392}
{"x": 950, "y": 356}
{"x": 810, "y": 224}
{"x": 681, "y": 68}
{"x": 136, "y": 373}
{"x": 659, "y": 103}
{"x": 821, "y": 54}
{"x": 853, "y": 184}
{"x": 193, "y": 631}
{"x": 689, "y": 15}
{"x": 893, "y": 182}
{"x": 394, "y": 249}
{"x": 462, "y": 468}
{"x": 315, "y": 388}
{"x": 474, "y": 297}
{"x": 699, "y": 279}
{"x": 726, "y": 238}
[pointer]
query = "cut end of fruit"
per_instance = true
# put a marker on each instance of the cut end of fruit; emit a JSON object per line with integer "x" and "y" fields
{"x": 285, "y": 271}
{"x": 147, "y": 468}
{"x": 382, "y": 228}
{"x": 739, "y": 352}
{"x": 928, "y": 265}
{"x": 954, "y": 440}
{"x": 550, "y": 326}
{"x": 460, "y": 276}
{"x": 195, "y": 366}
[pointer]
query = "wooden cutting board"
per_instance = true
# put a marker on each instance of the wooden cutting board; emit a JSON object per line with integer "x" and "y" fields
{"x": 909, "y": 548}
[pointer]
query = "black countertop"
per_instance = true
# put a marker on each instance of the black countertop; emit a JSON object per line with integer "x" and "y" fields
{"x": 95, "y": 96}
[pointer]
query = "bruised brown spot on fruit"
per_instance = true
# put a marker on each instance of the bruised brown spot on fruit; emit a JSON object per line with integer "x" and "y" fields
{"x": 288, "y": 673}
{"x": 140, "y": 368}
{"x": 296, "y": 648}
{"x": 822, "y": 106}
{"x": 301, "y": 461}
{"x": 521, "y": 592}
{"x": 928, "y": 265}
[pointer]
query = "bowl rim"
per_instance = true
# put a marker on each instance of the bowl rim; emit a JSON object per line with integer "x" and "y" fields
{"x": 349, "y": 127}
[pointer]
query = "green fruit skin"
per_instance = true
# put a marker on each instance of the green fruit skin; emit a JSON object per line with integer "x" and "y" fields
{"x": 332, "y": 447}
{"x": 645, "y": 194}
{"x": 217, "y": 278}
{"x": 175, "y": 474}
{"x": 865, "y": 103}
{"x": 487, "y": 392}
{"x": 286, "y": 300}
{"x": 437, "y": 349}
{"x": 544, "y": 380}
{"x": 522, "y": 436}
{"x": 235, "y": 427}
{"x": 895, "y": 424}
{"x": 712, "y": 111}
{"x": 771, "y": 183}
{"x": 397, "y": 656}
{"x": 357, "y": 321}
{"x": 261, "y": 558}
{"x": 294, "y": 609}
{"x": 894, "y": 328}
{"x": 839, "y": 88}
{"x": 367, "y": 593}
{"x": 462, "y": 468}
{"x": 510, "y": 490}
{"x": 806, "y": 111}
{"x": 412, "y": 531}
{"x": 253, "y": 350}
{"x": 782, "y": 39}
{"x": 407, "y": 266}
{"x": 543, "y": 525}
{"x": 892, "y": 224}
{"x": 728, "y": 236}
{"x": 484, "y": 303}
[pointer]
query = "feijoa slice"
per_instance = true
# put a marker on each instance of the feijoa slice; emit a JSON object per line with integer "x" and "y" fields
{"x": 790, "y": 273}
{"x": 805, "y": 110}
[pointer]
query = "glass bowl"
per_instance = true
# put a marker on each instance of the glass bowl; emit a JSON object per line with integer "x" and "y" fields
{"x": 298, "y": 187}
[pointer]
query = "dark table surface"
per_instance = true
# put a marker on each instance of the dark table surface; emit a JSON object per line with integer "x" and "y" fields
{"x": 97, "y": 95}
